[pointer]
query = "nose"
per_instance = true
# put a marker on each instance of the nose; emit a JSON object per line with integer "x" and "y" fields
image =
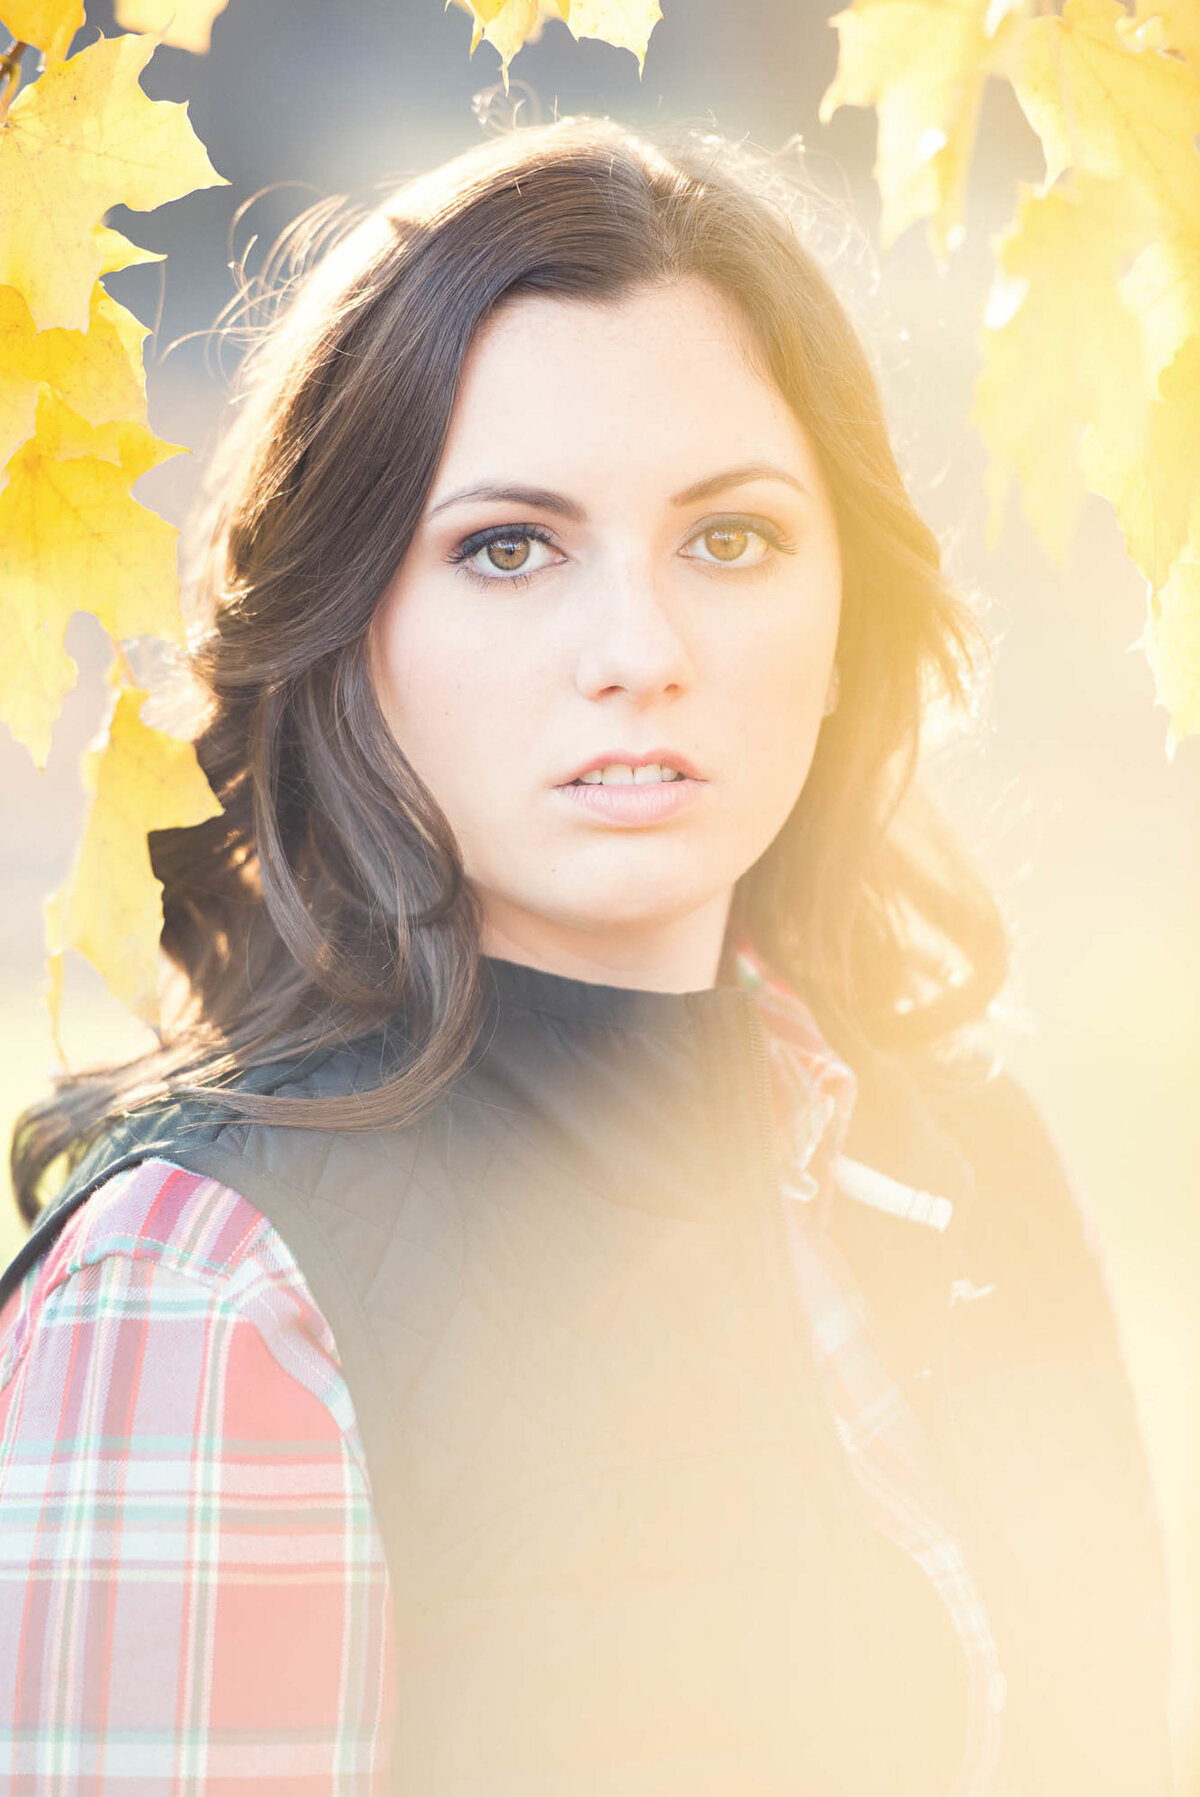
{"x": 631, "y": 643}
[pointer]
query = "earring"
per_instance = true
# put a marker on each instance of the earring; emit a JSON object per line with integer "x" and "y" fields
{"x": 835, "y": 687}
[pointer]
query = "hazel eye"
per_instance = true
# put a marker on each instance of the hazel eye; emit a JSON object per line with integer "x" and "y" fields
{"x": 738, "y": 543}
{"x": 503, "y": 553}
{"x": 726, "y": 541}
{"x": 508, "y": 554}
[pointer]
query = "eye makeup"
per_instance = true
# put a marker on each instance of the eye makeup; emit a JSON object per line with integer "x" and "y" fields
{"x": 465, "y": 551}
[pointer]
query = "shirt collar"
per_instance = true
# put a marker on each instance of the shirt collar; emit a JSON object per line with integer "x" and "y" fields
{"x": 813, "y": 1090}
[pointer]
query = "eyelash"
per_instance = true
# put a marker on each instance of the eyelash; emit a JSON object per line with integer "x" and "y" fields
{"x": 460, "y": 556}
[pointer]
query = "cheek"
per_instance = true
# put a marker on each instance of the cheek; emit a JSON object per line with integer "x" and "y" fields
{"x": 777, "y": 688}
{"x": 777, "y": 677}
{"x": 780, "y": 735}
{"x": 424, "y": 686}
{"x": 449, "y": 702}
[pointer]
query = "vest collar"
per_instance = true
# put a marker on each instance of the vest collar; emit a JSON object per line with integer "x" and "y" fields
{"x": 514, "y": 983}
{"x": 877, "y": 1112}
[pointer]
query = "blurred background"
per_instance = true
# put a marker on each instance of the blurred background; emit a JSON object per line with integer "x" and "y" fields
{"x": 1090, "y": 836}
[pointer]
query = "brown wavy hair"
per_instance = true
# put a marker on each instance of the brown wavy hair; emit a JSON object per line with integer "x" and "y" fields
{"x": 330, "y": 895}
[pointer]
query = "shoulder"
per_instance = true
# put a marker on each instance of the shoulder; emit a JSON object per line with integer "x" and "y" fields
{"x": 1043, "y": 1427}
{"x": 190, "y": 1516}
{"x": 1021, "y": 1174}
{"x": 1030, "y": 1228}
{"x": 968, "y": 1127}
{"x": 1019, "y": 1290}
{"x": 160, "y": 1212}
{"x": 169, "y": 1247}
{"x": 1044, "y": 1348}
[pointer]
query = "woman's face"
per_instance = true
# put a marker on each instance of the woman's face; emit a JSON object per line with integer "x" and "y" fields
{"x": 628, "y": 551}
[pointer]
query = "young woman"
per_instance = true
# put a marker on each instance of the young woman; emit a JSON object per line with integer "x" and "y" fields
{"x": 568, "y": 1309}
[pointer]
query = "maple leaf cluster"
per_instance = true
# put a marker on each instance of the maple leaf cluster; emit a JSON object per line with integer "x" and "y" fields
{"x": 1091, "y": 344}
{"x": 1091, "y": 337}
{"x": 81, "y": 138}
{"x": 74, "y": 437}
{"x": 510, "y": 24}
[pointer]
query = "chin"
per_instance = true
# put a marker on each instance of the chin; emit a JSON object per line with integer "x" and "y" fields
{"x": 644, "y": 904}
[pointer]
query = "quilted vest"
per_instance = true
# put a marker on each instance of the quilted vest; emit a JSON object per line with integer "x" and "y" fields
{"x": 625, "y": 1555}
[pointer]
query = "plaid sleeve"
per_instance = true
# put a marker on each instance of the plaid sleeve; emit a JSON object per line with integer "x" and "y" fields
{"x": 193, "y": 1592}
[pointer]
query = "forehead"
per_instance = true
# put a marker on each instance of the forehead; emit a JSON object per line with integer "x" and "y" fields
{"x": 661, "y": 382}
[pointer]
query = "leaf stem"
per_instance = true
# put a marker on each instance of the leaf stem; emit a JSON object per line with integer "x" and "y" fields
{"x": 10, "y": 74}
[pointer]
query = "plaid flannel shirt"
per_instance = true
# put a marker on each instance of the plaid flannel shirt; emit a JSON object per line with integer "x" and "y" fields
{"x": 814, "y": 1093}
{"x": 193, "y": 1590}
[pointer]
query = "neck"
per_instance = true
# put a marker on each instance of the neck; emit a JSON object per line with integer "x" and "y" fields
{"x": 684, "y": 954}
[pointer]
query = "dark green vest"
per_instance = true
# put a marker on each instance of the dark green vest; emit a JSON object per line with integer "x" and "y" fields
{"x": 625, "y": 1554}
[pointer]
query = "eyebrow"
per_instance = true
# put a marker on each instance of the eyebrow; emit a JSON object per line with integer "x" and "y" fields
{"x": 544, "y": 499}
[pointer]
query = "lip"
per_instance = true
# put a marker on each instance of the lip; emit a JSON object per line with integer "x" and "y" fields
{"x": 631, "y": 805}
{"x": 634, "y": 805}
{"x": 628, "y": 758}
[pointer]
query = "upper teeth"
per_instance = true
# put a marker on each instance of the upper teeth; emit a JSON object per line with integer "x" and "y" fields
{"x": 620, "y": 775}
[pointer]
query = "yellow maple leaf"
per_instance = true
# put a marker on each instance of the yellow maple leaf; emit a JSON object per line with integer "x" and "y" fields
{"x": 1151, "y": 475}
{"x": 508, "y": 25}
{"x": 73, "y": 538}
{"x": 63, "y": 434}
{"x": 97, "y": 372}
{"x": 110, "y": 906}
{"x": 1150, "y": 470}
{"x": 1102, "y": 104}
{"x": 1060, "y": 351}
{"x": 627, "y": 24}
{"x": 922, "y": 64}
{"x": 18, "y": 392}
{"x": 79, "y": 139}
{"x": 185, "y": 23}
{"x": 1162, "y": 290}
{"x": 50, "y": 24}
{"x": 1171, "y": 640}
{"x": 117, "y": 251}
